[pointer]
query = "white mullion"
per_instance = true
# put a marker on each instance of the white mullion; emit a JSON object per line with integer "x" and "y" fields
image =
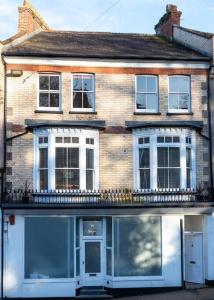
{"x": 183, "y": 173}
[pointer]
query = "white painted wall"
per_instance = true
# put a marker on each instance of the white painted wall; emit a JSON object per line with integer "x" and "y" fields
{"x": 209, "y": 227}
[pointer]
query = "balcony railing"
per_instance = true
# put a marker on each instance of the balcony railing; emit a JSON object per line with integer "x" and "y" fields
{"x": 107, "y": 197}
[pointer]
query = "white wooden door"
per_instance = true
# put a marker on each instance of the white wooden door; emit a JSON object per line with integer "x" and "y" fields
{"x": 194, "y": 258}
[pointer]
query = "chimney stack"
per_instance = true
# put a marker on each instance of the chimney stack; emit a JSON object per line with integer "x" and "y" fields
{"x": 30, "y": 19}
{"x": 166, "y": 22}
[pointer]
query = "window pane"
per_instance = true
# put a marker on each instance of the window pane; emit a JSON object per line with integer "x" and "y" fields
{"x": 90, "y": 158}
{"x": 54, "y": 100}
{"x": 141, "y": 101}
{"x": 144, "y": 158}
{"x": 162, "y": 156}
{"x": 77, "y": 82}
{"x": 137, "y": 246}
{"x": 151, "y": 84}
{"x": 67, "y": 179}
{"x": 88, "y": 100}
{"x": 73, "y": 157}
{"x": 89, "y": 179}
{"x": 77, "y": 100}
{"x": 73, "y": 179}
{"x": 92, "y": 257}
{"x": 188, "y": 178}
{"x": 108, "y": 231}
{"x": 58, "y": 140}
{"x": 49, "y": 247}
{"x": 88, "y": 83}
{"x": 162, "y": 178}
{"x": 109, "y": 262}
{"x": 61, "y": 158}
{"x": 179, "y": 84}
{"x": 168, "y": 139}
{"x": 141, "y": 84}
{"x": 174, "y": 178}
{"x": 77, "y": 262}
{"x": 145, "y": 179}
{"x": 160, "y": 139}
{"x": 152, "y": 101}
{"x": 67, "y": 140}
{"x": 173, "y": 101}
{"x": 43, "y": 157}
{"x": 174, "y": 157}
{"x": 54, "y": 83}
{"x": 44, "y": 100}
{"x": 43, "y": 180}
{"x": 44, "y": 82}
{"x": 184, "y": 101}
{"x": 188, "y": 157}
{"x": 92, "y": 227}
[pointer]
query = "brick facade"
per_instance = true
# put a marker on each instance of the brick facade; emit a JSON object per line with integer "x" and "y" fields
{"x": 115, "y": 103}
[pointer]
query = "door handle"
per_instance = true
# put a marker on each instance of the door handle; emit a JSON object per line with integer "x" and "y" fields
{"x": 192, "y": 262}
{"x": 83, "y": 262}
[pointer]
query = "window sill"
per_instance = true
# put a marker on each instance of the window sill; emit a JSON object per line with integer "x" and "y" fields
{"x": 83, "y": 112}
{"x": 179, "y": 113}
{"x": 48, "y": 111}
{"x": 147, "y": 113}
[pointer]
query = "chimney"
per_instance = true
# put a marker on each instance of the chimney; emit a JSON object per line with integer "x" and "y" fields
{"x": 166, "y": 22}
{"x": 30, "y": 19}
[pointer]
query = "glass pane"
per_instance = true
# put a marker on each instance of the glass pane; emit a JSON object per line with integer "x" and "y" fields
{"x": 109, "y": 262}
{"x": 43, "y": 179}
{"x": 173, "y": 101}
{"x": 141, "y": 84}
{"x": 162, "y": 178}
{"x": 90, "y": 158}
{"x": 88, "y": 83}
{"x": 44, "y": 82}
{"x": 188, "y": 157}
{"x": 54, "y": 100}
{"x": 49, "y": 247}
{"x": 92, "y": 227}
{"x": 54, "y": 83}
{"x": 151, "y": 84}
{"x": 92, "y": 257}
{"x": 152, "y": 101}
{"x": 184, "y": 101}
{"x": 162, "y": 156}
{"x": 43, "y": 157}
{"x": 160, "y": 139}
{"x": 144, "y": 158}
{"x": 61, "y": 157}
{"x": 88, "y": 100}
{"x": 174, "y": 178}
{"x": 77, "y": 262}
{"x": 188, "y": 178}
{"x": 77, "y": 100}
{"x": 89, "y": 179}
{"x": 67, "y": 140}
{"x": 137, "y": 246}
{"x": 145, "y": 179}
{"x": 174, "y": 157}
{"x": 77, "y": 82}
{"x": 168, "y": 139}
{"x": 75, "y": 140}
{"x": 179, "y": 84}
{"x": 77, "y": 232}
{"x": 73, "y": 157}
{"x": 58, "y": 140}
{"x": 43, "y": 100}
{"x": 141, "y": 101}
{"x": 67, "y": 179}
{"x": 108, "y": 231}
{"x": 176, "y": 139}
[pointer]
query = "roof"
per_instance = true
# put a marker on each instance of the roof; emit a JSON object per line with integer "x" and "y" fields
{"x": 203, "y": 34}
{"x": 106, "y": 45}
{"x": 138, "y": 124}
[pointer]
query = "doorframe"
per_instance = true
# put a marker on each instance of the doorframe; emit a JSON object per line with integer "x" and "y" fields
{"x": 191, "y": 233}
{"x": 102, "y": 240}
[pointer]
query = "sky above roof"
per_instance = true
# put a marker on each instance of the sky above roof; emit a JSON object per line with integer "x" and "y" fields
{"x": 138, "y": 16}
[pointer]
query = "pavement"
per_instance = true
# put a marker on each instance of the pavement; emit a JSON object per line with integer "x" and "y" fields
{"x": 192, "y": 294}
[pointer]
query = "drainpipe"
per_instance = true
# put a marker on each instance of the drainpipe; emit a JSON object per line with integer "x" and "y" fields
{"x": 210, "y": 126}
{"x": 2, "y": 253}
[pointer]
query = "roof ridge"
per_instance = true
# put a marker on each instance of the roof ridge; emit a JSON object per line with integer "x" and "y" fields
{"x": 204, "y": 34}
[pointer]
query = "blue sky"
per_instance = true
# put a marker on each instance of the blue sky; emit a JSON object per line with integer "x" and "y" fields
{"x": 127, "y": 16}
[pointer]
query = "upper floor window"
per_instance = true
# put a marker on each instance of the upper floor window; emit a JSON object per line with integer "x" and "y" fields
{"x": 146, "y": 93}
{"x": 165, "y": 160}
{"x": 179, "y": 94}
{"x": 83, "y": 92}
{"x": 49, "y": 91}
{"x": 66, "y": 161}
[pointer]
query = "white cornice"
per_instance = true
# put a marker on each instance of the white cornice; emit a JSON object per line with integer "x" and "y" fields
{"x": 65, "y": 62}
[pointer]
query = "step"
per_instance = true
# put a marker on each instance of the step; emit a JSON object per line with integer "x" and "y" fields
{"x": 106, "y": 296}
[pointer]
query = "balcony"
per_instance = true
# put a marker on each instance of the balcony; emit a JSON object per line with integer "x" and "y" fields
{"x": 108, "y": 198}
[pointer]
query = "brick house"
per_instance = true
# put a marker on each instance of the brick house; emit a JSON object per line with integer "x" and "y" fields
{"x": 107, "y": 140}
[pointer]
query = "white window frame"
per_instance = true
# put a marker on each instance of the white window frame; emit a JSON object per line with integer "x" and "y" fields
{"x": 157, "y": 93}
{"x": 44, "y": 108}
{"x": 52, "y": 133}
{"x": 75, "y": 109}
{"x": 180, "y": 111}
{"x": 153, "y": 134}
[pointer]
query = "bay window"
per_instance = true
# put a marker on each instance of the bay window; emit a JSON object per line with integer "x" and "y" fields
{"x": 66, "y": 159}
{"x": 164, "y": 159}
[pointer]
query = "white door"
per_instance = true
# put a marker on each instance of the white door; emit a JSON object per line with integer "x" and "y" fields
{"x": 194, "y": 258}
{"x": 92, "y": 269}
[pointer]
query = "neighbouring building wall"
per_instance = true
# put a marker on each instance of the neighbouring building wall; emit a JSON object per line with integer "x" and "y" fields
{"x": 115, "y": 103}
{"x": 209, "y": 236}
{"x": 1, "y": 113}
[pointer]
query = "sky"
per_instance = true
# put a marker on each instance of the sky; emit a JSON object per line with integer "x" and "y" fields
{"x": 138, "y": 16}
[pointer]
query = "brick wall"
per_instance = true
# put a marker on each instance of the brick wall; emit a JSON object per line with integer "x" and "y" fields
{"x": 115, "y": 103}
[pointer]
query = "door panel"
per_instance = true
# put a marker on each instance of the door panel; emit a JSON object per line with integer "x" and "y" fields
{"x": 194, "y": 258}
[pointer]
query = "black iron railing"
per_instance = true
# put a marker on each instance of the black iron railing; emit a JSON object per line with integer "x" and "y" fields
{"x": 107, "y": 197}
